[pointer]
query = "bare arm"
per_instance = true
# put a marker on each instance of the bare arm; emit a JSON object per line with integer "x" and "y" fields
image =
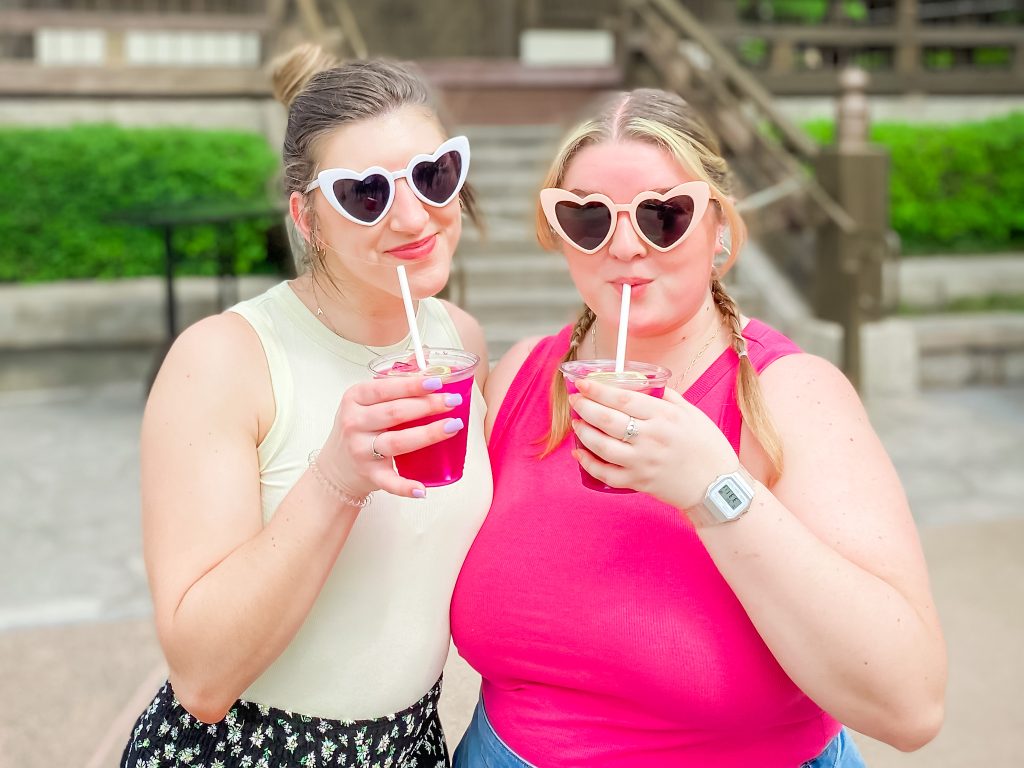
{"x": 830, "y": 560}
{"x": 827, "y": 564}
{"x": 230, "y": 593}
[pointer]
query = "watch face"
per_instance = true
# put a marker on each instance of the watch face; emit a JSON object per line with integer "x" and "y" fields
{"x": 728, "y": 497}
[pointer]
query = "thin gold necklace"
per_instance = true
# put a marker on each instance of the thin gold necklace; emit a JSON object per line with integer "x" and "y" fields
{"x": 678, "y": 380}
{"x": 323, "y": 318}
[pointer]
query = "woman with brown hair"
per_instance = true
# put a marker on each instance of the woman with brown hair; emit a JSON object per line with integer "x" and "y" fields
{"x": 300, "y": 585}
{"x": 765, "y": 586}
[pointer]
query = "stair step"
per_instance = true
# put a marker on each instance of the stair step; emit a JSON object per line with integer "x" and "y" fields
{"x": 512, "y": 208}
{"x": 495, "y": 247}
{"x": 516, "y": 225}
{"x": 499, "y": 156}
{"x": 517, "y": 181}
{"x": 502, "y": 229}
{"x": 516, "y": 273}
{"x": 511, "y": 135}
{"x": 499, "y": 304}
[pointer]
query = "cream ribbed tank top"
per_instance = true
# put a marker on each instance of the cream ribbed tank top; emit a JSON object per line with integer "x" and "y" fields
{"x": 377, "y": 637}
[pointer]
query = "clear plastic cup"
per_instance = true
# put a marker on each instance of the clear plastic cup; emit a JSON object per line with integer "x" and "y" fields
{"x": 441, "y": 463}
{"x": 639, "y": 377}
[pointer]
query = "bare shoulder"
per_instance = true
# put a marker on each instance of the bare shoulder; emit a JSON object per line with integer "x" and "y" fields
{"x": 472, "y": 336}
{"x": 805, "y": 388}
{"x": 216, "y": 367}
{"x": 837, "y": 476}
{"x": 504, "y": 373}
{"x": 831, "y": 451}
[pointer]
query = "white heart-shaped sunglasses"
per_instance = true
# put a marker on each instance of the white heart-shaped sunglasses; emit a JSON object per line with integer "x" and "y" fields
{"x": 365, "y": 197}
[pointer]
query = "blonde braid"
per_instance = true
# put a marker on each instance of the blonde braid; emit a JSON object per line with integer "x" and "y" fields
{"x": 559, "y": 397}
{"x": 748, "y": 388}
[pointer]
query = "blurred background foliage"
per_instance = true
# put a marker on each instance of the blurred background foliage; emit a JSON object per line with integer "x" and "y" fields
{"x": 817, "y": 11}
{"x": 954, "y": 188}
{"x": 63, "y": 189}
{"x": 799, "y": 11}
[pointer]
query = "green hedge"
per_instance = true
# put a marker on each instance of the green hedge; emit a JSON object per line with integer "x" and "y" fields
{"x": 799, "y": 11}
{"x": 60, "y": 189}
{"x": 954, "y": 188}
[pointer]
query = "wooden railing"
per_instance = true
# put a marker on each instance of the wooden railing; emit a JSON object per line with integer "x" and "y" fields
{"x": 791, "y": 187}
{"x": 684, "y": 57}
{"x": 905, "y": 57}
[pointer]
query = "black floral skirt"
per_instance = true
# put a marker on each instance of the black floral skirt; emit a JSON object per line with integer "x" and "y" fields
{"x": 257, "y": 736}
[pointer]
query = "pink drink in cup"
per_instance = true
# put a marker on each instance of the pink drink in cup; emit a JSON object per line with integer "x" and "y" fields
{"x": 441, "y": 463}
{"x": 639, "y": 377}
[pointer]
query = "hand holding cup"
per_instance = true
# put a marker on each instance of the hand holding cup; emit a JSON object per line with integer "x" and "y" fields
{"x": 675, "y": 454}
{"x": 368, "y": 432}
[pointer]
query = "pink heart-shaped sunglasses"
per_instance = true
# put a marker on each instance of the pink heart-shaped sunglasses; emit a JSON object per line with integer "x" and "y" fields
{"x": 661, "y": 220}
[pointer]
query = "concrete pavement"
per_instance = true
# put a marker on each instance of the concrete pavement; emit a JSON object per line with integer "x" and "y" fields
{"x": 79, "y": 659}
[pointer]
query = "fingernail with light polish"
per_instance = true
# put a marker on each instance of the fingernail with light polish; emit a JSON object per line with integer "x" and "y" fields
{"x": 419, "y": 493}
{"x": 452, "y": 399}
{"x": 432, "y": 384}
{"x": 453, "y": 425}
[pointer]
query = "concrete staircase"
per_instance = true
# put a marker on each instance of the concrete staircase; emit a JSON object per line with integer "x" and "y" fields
{"x": 512, "y": 286}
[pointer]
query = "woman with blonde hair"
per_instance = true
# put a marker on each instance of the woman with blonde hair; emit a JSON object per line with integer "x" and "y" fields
{"x": 300, "y": 585}
{"x": 765, "y": 586}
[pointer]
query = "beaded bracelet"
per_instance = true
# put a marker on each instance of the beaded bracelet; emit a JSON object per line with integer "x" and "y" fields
{"x": 336, "y": 490}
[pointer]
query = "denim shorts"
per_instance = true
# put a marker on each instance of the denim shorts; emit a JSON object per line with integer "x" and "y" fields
{"x": 481, "y": 747}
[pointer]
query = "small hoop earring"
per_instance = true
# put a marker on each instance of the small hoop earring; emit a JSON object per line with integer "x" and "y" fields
{"x": 316, "y": 245}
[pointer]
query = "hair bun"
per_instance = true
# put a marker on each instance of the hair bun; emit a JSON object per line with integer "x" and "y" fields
{"x": 290, "y": 71}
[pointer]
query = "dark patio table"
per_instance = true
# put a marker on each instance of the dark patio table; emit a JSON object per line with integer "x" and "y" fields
{"x": 172, "y": 217}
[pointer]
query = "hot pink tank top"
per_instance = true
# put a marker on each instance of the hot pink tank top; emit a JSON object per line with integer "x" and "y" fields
{"x": 604, "y": 633}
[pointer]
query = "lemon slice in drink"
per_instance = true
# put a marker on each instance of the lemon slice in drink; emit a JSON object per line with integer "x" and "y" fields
{"x": 436, "y": 370}
{"x": 617, "y": 376}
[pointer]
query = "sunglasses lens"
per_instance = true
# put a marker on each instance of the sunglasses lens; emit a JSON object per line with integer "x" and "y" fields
{"x": 586, "y": 225}
{"x": 664, "y": 223}
{"x": 438, "y": 180}
{"x": 363, "y": 199}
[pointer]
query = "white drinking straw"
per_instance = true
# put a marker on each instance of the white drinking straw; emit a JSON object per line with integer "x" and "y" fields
{"x": 410, "y": 315}
{"x": 620, "y": 347}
